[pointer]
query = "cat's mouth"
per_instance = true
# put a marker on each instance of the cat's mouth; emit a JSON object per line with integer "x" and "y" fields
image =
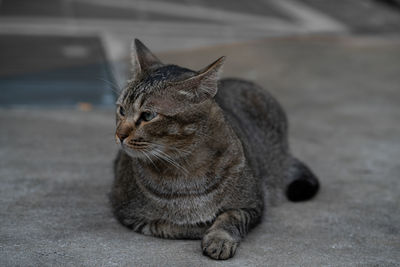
{"x": 136, "y": 149}
{"x": 139, "y": 146}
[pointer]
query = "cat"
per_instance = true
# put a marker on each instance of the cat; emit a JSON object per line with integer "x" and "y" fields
{"x": 200, "y": 157}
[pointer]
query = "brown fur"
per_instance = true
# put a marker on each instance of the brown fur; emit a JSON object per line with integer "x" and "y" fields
{"x": 195, "y": 170}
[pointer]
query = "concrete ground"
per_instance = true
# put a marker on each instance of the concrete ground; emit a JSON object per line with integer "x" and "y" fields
{"x": 342, "y": 98}
{"x": 163, "y": 25}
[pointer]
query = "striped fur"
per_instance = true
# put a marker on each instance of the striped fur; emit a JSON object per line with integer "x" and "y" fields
{"x": 206, "y": 163}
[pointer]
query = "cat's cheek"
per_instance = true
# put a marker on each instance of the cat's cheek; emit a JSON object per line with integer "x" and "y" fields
{"x": 132, "y": 153}
{"x": 156, "y": 132}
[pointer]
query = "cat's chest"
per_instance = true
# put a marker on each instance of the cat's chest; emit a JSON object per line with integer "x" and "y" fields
{"x": 181, "y": 202}
{"x": 185, "y": 210}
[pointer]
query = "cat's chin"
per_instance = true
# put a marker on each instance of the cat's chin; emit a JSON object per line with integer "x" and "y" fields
{"x": 133, "y": 153}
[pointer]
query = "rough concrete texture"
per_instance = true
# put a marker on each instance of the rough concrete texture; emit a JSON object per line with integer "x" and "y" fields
{"x": 342, "y": 97}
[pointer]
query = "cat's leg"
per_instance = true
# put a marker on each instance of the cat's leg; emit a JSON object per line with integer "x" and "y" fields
{"x": 133, "y": 223}
{"x": 163, "y": 229}
{"x": 223, "y": 237}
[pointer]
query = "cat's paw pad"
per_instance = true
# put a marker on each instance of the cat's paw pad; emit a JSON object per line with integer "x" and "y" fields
{"x": 219, "y": 245}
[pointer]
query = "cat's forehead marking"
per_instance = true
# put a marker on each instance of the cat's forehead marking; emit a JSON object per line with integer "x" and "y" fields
{"x": 138, "y": 102}
{"x": 135, "y": 93}
{"x": 138, "y": 90}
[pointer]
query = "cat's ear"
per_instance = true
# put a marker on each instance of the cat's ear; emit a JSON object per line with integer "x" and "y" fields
{"x": 179, "y": 95}
{"x": 142, "y": 58}
{"x": 202, "y": 86}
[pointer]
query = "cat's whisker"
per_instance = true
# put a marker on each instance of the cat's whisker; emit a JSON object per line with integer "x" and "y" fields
{"x": 113, "y": 84}
{"x": 158, "y": 156}
{"x": 181, "y": 150}
{"x": 174, "y": 148}
{"x": 168, "y": 159}
{"x": 163, "y": 157}
{"x": 176, "y": 164}
{"x": 114, "y": 87}
{"x": 152, "y": 162}
{"x": 180, "y": 153}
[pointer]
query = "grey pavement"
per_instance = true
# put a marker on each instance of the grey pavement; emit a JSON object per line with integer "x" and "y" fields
{"x": 362, "y": 16}
{"x": 54, "y": 71}
{"x": 166, "y": 25}
{"x": 342, "y": 97}
{"x": 163, "y": 25}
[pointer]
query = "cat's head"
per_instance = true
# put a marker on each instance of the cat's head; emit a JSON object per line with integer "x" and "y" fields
{"x": 163, "y": 110}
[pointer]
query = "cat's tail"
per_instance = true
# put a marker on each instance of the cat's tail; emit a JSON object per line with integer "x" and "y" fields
{"x": 302, "y": 184}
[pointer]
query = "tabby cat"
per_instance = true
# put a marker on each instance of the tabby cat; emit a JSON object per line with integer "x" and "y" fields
{"x": 199, "y": 157}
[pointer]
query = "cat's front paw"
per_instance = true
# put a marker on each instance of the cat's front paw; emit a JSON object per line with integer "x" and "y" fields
{"x": 219, "y": 245}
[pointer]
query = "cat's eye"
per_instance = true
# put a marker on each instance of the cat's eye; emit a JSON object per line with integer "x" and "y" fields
{"x": 148, "y": 115}
{"x": 121, "y": 111}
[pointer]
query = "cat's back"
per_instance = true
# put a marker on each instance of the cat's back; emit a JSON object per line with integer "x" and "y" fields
{"x": 258, "y": 120}
{"x": 252, "y": 108}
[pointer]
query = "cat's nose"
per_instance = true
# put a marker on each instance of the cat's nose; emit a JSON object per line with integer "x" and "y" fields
{"x": 122, "y": 136}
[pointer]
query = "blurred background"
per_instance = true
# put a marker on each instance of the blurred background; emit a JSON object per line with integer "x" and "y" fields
{"x": 66, "y": 52}
{"x": 333, "y": 65}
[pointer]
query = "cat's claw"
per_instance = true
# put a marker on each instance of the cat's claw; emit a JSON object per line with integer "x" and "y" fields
{"x": 219, "y": 245}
